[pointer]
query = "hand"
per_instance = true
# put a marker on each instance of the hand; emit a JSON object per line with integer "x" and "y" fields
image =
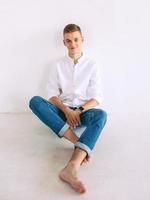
{"x": 73, "y": 117}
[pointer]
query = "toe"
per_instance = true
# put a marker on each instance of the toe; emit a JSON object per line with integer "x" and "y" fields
{"x": 79, "y": 187}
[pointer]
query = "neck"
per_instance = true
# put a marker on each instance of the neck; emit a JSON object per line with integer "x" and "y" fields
{"x": 75, "y": 57}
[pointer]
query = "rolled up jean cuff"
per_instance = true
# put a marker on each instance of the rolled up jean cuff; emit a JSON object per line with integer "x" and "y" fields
{"x": 63, "y": 130}
{"x": 84, "y": 147}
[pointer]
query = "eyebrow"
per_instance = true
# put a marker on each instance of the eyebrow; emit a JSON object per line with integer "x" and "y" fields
{"x": 70, "y": 40}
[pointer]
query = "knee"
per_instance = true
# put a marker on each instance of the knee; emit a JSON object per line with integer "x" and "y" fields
{"x": 104, "y": 117}
{"x": 101, "y": 116}
{"x": 34, "y": 101}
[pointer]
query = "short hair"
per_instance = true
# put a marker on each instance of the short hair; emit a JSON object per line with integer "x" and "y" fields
{"x": 71, "y": 28}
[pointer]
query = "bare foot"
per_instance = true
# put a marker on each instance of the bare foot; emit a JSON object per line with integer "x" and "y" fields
{"x": 69, "y": 175}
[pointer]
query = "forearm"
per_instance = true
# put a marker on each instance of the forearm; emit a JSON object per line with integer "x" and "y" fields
{"x": 57, "y": 102}
{"x": 90, "y": 104}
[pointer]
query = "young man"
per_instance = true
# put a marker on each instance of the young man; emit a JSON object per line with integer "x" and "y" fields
{"x": 74, "y": 101}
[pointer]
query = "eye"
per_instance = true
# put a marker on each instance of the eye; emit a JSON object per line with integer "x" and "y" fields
{"x": 76, "y": 40}
{"x": 68, "y": 41}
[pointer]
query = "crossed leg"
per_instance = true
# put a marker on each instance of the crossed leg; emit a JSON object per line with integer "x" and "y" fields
{"x": 69, "y": 135}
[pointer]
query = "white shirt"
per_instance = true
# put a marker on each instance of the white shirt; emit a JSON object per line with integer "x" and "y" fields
{"x": 75, "y": 84}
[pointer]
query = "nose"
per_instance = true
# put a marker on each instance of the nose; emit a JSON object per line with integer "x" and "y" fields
{"x": 73, "y": 44}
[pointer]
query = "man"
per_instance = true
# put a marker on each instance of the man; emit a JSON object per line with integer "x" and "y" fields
{"x": 74, "y": 101}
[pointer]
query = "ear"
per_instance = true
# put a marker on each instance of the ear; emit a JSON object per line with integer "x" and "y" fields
{"x": 82, "y": 39}
{"x": 64, "y": 42}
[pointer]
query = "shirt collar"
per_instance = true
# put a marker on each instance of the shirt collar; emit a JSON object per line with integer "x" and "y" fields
{"x": 79, "y": 60}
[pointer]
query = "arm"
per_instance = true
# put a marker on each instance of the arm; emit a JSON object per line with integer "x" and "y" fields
{"x": 57, "y": 102}
{"x": 53, "y": 97}
{"x": 73, "y": 116}
{"x": 90, "y": 104}
{"x": 94, "y": 89}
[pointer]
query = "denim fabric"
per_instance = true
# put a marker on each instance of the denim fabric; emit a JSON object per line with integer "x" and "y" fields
{"x": 92, "y": 122}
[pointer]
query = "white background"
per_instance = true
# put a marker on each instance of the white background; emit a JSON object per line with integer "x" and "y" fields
{"x": 117, "y": 34}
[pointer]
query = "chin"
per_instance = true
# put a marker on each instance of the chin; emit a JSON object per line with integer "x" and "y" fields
{"x": 74, "y": 51}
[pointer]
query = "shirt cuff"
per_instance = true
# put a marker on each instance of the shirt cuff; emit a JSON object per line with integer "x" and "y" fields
{"x": 97, "y": 98}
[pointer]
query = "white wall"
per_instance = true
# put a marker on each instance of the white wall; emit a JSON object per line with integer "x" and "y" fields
{"x": 116, "y": 33}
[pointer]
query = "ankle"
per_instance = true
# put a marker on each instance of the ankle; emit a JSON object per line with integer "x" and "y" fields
{"x": 70, "y": 135}
{"x": 74, "y": 165}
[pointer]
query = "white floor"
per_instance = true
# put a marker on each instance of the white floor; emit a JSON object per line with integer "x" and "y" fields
{"x": 31, "y": 157}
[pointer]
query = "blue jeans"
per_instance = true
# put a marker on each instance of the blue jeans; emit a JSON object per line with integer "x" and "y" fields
{"x": 93, "y": 120}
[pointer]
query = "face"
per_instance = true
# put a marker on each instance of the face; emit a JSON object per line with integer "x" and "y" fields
{"x": 73, "y": 41}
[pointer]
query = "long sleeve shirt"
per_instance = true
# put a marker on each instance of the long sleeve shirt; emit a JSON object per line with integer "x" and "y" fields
{"x": 75, "y": 84}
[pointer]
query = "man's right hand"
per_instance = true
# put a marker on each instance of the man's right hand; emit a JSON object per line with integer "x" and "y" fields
{"x": 73, "y": 117}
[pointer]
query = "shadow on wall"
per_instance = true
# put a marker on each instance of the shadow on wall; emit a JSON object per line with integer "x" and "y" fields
{"x": 47, "y": 70}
